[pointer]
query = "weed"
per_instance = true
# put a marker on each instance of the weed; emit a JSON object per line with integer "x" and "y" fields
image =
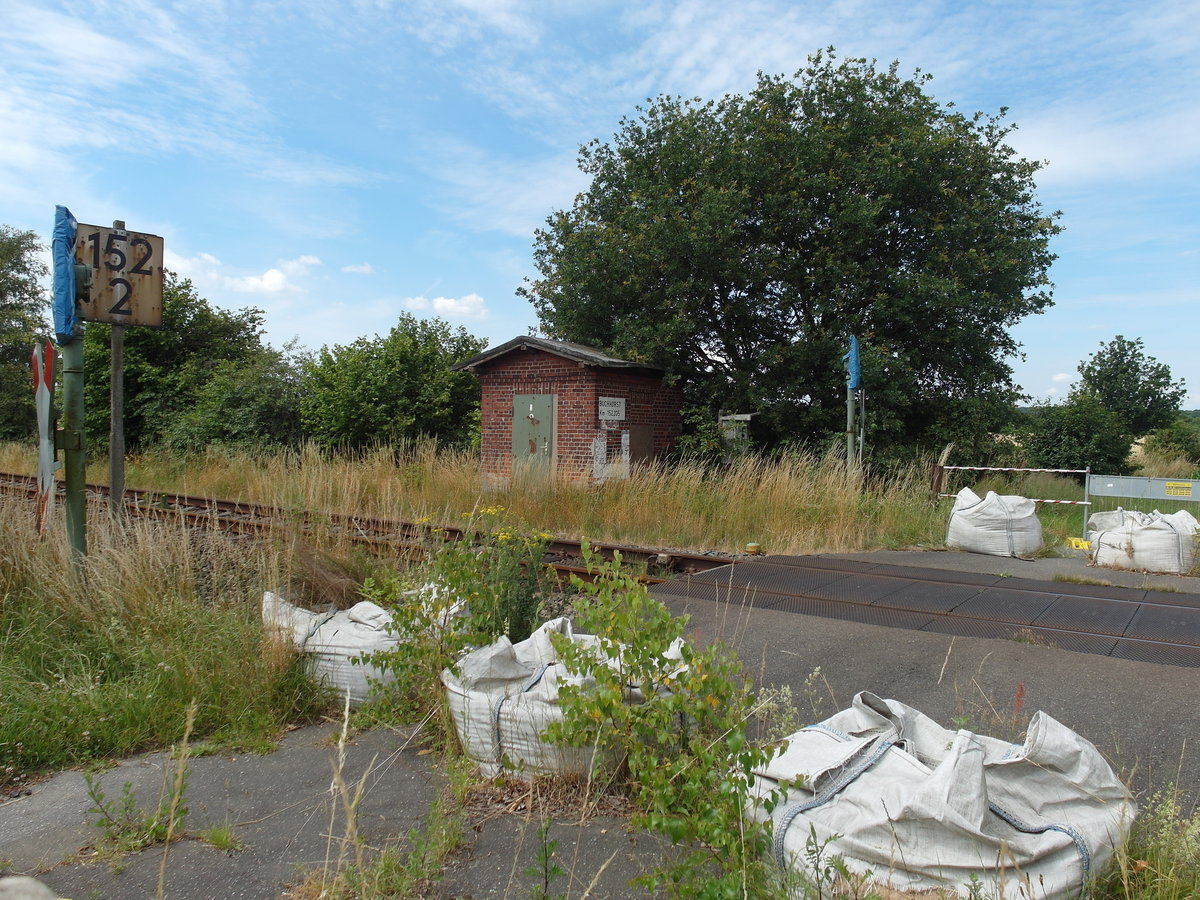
{"x": 1161, "y": 858}
{"x": 223, "y": 838}
{"x": 793, "y": 503}
{"x": 1163, "y": 588}
{"x": 401, "y": 869}
{"x": 675, "y": 715}
{"x": 819, "y": 867}
{"x": 1031, "y": 638}
{"x": 775, "y": 714}
{"x": 976, "y": 712}
{"x": 490, "y": 583}
{"x": 108, "y": 670}
{"x": 1082, "y": 579}
{"x": 124, "y": 826}
{"x": 357, "y": 872}
{"x": 545, "y": 869}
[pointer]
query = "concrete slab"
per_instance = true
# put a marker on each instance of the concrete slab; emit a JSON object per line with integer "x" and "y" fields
{"x": 1143, "y": 716}
{"x": 279, "y": 806}
{"x": 600, "y": 858}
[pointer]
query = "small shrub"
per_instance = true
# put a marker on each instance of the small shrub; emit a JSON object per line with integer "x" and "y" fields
{"x": 490, "y": 583}
{"x": 1161, "y": 858}
{"x": 677, "y": 723}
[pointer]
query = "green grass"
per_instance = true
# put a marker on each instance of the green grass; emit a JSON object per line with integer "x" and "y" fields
{"x": 223, "y": 838}
{"x": 1161, "y": 860}
{"x": 105, "y": 663}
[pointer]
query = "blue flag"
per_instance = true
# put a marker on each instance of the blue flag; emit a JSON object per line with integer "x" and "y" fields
{"x": 66, "y": 322}
{"x": 853, "y": 372}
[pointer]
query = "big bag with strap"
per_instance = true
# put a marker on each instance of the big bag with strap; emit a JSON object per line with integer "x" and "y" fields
{"x": 915, "y": 806}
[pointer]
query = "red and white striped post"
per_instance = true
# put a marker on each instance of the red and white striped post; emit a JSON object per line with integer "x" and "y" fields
{"x": 42, "y": 360}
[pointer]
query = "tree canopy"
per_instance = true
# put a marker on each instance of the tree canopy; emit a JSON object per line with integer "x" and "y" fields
{"x": 23, "y": 307}
{"x": 1134, "y": 386}
{"x": 739, "y": 244}
{"x": 206, "y": 377}
{"x": 168, "y": 369}
{"x": 246, "y": 403}
{"x": 1079, "y": 433}
{"x": 393, "y": 388}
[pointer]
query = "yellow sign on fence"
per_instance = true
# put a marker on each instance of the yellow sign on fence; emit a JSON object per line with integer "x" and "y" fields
{"x": 1178, "y": 488}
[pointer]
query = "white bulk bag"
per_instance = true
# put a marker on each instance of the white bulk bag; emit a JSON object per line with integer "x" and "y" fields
{"x": 503, "y": 696}
{"x": 1113, "y": 520}
{"x": 918, "y": 807}
{"x": 1000, "y": 526}
{"x": 333, "y": 639}
{"x": 1149, "y": 542}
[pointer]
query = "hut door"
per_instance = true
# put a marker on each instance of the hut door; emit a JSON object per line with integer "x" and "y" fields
{"x": 533, "y": 434}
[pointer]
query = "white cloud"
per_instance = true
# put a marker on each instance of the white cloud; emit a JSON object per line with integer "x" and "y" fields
{"x": 360, "y": 269}
{"x": 298, "y": 266}
{"x": 469, "y": 306}
{"x": 272, "y": 281}
{"x": 208, "y": 273}
{"x": 1088, "y": 142}
{"x": 1061, "y": 377}
{"x": 451, "y": 23}
{"x": 165, "y": 88}
{"x": 200, "y": 265}
{"x": 277, "y": 279}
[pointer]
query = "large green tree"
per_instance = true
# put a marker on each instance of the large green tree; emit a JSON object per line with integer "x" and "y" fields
{"x": 740, "y": 243}
{"x": 1134, "y": 386}
{"x": 23, "y": 307}
{"x": 167, "y": 369}
{"x": 393, "y": 388}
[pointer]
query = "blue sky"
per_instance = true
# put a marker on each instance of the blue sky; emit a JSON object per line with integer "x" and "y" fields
{"x": 336, "y": 163}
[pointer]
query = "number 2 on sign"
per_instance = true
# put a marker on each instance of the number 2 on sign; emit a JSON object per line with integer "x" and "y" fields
{"x": 115, "y": 260}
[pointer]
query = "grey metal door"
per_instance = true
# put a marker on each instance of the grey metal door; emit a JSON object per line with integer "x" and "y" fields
{"x": 533, "y": 434}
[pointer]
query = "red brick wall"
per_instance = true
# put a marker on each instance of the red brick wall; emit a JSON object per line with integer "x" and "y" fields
{"x": 647, "y": 402}
{"x": 532, "y": 372}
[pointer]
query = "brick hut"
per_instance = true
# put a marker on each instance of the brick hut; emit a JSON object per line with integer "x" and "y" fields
{"x": 556, "y": 408}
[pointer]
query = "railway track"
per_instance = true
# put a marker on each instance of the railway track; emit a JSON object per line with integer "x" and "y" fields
{"x": 408, "y": 539}
{"x": 1111, "y": 621}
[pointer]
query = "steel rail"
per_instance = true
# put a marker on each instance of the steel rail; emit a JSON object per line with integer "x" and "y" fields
{"x": 414, "y": 540}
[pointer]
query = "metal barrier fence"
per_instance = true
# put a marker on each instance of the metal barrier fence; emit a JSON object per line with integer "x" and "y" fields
{"x": 1126, "y": 487}
{"x": 1135, "y": 488}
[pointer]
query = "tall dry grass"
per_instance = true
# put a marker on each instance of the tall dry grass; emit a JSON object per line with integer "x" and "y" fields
{"x": 799, "y": 503}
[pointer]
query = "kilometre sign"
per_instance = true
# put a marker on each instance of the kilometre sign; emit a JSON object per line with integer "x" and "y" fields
{"x": 127, "y": 275}
{"x": 612, "y": 409}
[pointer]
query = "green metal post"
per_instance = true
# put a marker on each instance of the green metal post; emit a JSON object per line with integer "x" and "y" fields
{"x": 74, "y": 457}
{"x": 851, "y": 456}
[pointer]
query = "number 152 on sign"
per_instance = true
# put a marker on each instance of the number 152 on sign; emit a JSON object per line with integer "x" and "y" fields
{"x": 127, "y": 275}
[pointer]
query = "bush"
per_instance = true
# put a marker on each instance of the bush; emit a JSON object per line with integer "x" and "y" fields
{"x": 1179, "y": 439}
{"x": 1077, "y": 434}
{"x": 490, "y": 583}
{"x": 684, "y": 746}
